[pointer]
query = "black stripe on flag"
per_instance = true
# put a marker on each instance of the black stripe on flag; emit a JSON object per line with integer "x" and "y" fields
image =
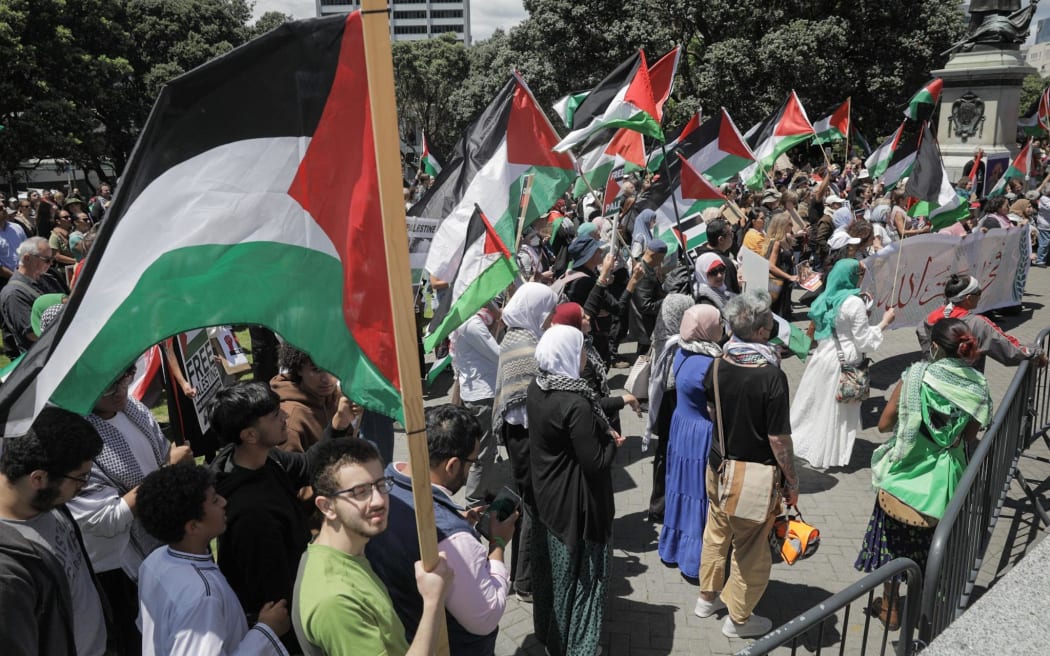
{"x": 474, "y": 149}
{"x": 598, "y": 99}
{"x": 927, "y": 175}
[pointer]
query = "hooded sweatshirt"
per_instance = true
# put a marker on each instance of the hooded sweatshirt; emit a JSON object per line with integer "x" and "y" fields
{"x": 266, "y": 526}
{"x": 36, "y": 614}
{"x": 308, "y": 415}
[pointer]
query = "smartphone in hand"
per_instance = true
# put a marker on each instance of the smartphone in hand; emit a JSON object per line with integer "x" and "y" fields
{"x": 502, "y": 507}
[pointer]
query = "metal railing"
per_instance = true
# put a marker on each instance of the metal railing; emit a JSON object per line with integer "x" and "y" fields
{"x": 965, "y": 531}
{"x": 808, "y": 629}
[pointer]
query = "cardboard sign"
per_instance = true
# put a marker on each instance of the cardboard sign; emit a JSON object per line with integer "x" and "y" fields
{"x": 232, "y": 355}
{"x": 755, "y": 269}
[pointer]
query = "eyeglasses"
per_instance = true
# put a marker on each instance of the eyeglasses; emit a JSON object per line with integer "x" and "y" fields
{"x": 81, "y": 481}
{"x": 363, "y": 492}
{"x": 123, "y": 380}
{"x": 48, "y": 259}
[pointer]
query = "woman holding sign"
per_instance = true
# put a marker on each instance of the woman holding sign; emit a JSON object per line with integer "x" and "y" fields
{"x": 823, "y": 428}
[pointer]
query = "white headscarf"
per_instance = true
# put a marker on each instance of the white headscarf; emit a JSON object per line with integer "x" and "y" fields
{"x": 559, "y": 351}
{"x": 529, "y": 307}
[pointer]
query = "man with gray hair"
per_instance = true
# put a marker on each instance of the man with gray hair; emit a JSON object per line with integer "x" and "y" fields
{"x": 26, "y": 284}
{"x": 747, "y": 395}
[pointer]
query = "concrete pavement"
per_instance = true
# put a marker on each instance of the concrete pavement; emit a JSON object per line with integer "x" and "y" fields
{"x": 650, "y": 605}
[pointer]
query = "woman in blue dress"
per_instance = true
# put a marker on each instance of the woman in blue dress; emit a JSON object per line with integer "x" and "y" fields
{"x": 685, "y": 509}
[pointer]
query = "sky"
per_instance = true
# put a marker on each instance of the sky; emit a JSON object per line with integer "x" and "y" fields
{"x": 485, "y": 15}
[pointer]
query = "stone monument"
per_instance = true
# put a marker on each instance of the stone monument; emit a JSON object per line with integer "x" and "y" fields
{"x": 982, "y": 84}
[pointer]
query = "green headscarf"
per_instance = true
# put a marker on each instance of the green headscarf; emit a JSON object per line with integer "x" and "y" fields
{"x": 842, "y": 282}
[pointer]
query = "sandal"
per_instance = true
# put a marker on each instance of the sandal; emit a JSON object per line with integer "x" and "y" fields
{"x": 892, "y": 622}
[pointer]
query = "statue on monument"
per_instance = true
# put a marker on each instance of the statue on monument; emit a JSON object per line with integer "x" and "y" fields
{"x": 996, "y": 24}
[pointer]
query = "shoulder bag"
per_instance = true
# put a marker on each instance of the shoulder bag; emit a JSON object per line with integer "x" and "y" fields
{"x": 746, "y": 490}
{"x": 854, "y": 380}
{"x": 792, "y": 539}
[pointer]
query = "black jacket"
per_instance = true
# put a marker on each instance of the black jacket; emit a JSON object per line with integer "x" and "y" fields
{"x": 266, "y": 526}
{"x": 645, "y": 305}
{"x": 36, "y": 609}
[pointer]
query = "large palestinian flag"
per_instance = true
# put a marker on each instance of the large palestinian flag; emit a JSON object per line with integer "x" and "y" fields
{"x": 509, "y": 141}
{"x": 773, "y": 137}
{"x": 232, "y": 213}
{"x": 624, "y": 99}
{"x": 656, "y": 155}
{"x": 929, "y": 183}
{"x": 1020, "y": 167}
{"x": 485, "y": 270}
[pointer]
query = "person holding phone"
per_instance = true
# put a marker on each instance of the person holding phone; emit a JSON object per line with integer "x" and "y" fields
{"x": 477, "y": 596}
{"x": 572, "y": 453}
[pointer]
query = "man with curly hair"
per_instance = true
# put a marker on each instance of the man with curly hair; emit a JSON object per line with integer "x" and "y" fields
{"x": 45, "y": 575}
{"x": 186, "y": 607}
{"x": 309, "y": 396}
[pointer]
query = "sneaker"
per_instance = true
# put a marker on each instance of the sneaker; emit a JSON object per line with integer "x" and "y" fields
{"x": 754, "y": 627}
{"x": 706, "y": 608}
{"x": 523, "y": 597}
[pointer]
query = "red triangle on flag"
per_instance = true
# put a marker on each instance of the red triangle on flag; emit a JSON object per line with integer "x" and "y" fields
{"x": 695, "y": 186}
{"x": 934, "y": 88}
{"x": 629, "y": 145}
{"x": 840, "y": 117}
{"x": 493, "y": 244}
{"x": 729, "y": 140}
{"x": 661, "y": 76}
{"x": 530, "y": 136}
{"x": 612, "y": 190}
{"x": 1023, "y": 160}
{"x": 690, "y": 127}
{"x": 640, "y": 90}
{"x": 793, "y": 121}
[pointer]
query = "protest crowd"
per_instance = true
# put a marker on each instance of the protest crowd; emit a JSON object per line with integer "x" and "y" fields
{"x": 289, "y": 528}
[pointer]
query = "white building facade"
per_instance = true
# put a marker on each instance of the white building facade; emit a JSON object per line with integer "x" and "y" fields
{"x": 412, "y": 20}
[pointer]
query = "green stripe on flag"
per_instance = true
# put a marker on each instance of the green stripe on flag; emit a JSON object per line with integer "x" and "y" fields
{"x": 437, "y": 368}
{"x": 791, "y": 336}
{"x": 193, "y": 286}
{"x": 493, "y": 280}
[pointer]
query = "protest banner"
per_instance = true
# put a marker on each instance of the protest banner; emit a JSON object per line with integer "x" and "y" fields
{"x": 998, "y": 259}
{"x": 421, "y": 233}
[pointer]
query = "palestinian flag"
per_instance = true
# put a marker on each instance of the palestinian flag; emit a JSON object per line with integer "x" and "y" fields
{"x": 834, "y": 126}
{"x": 879, "y": 160}
{"x": 691, "y": 193}
{"x": 626, "y": 147}
{"x": 794, "y": 338}
{"x": 661, "y": 77}
{"x": 859, "y": 141}
{"x": 929, "y": 183}
{"x": 566, "y": 106}
{"x": 921, "y": 105}
{"x": 775, "y": 136}
{"x": 624, "y": 99}
{"x": 1028, "y": 124}
{"x": 427, "y": 162}
{"x": 656, "y": 156}
{"x": 509, "y": 140}
{"x": 716, "y": 149}
{"x": 485, "y": 269}
{"x": 231, "y": 213}
{"x": 903, "y": 158}
{"x": 1019, "y": 168}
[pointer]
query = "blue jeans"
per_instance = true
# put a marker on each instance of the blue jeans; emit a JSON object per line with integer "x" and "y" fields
{"x": 1044, "y": 245}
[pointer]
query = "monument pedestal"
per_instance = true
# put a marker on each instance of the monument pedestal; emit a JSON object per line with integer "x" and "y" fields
{"x": 980, "y": 105}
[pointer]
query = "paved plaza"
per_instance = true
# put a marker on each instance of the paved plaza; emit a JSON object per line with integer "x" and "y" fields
{"x": 650, "y": 611}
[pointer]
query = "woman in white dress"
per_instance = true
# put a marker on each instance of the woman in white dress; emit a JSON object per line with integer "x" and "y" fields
{"x": 823, "y": 430}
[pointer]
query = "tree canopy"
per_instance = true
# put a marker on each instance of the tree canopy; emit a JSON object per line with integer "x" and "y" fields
{"x": 80, "y": 76}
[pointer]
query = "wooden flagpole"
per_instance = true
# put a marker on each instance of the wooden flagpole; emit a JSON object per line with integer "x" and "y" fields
{"x": 523, "y": 208}
{"x": 379, "y": 63}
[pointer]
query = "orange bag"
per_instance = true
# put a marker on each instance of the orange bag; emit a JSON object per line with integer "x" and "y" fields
{"x": 793, "y": 538}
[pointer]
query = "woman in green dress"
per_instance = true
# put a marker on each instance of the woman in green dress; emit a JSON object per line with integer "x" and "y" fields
{"x": 935, "y": 410}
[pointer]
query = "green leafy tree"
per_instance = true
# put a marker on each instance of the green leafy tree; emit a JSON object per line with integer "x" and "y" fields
{"x": 1032, "y": 86}
{"x": 427, "y": 74}
{"x": 269, "y": 21}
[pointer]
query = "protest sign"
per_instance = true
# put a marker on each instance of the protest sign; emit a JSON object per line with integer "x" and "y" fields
{"x": 914, "y": 286}
{"x": 421, "y": 233}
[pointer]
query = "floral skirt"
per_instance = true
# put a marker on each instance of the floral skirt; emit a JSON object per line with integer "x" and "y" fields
{"x": 887, "y": 539}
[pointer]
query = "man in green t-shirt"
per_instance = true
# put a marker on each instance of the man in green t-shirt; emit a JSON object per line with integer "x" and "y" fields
{"x": 339, "y": 605}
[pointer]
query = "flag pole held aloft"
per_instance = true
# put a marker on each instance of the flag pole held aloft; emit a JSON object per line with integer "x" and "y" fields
{"x": 384, "y": 129}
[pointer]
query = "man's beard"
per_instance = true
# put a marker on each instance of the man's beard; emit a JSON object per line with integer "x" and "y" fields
{"x": 44, "y": 500}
